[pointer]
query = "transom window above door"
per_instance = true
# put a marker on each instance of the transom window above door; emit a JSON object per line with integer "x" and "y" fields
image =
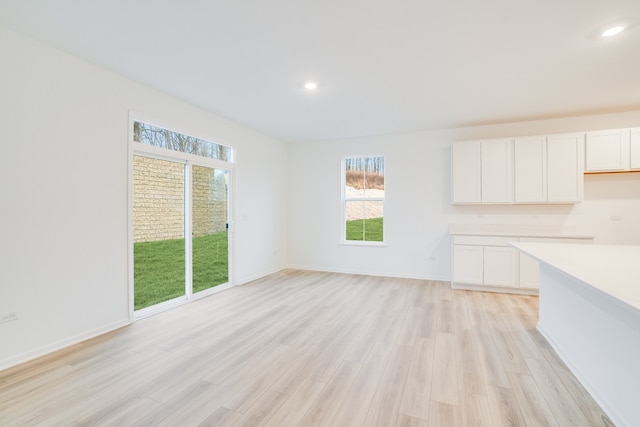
{"x": 155, "y": 136}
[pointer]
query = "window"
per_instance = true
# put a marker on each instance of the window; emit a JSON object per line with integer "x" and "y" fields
{"x": 147, "y": 134}
{"x": 363, "y": 199}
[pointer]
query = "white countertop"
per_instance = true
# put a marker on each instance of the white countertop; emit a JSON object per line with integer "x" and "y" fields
{"x": 516, "y": 231}
{"x": 614, "y": 270}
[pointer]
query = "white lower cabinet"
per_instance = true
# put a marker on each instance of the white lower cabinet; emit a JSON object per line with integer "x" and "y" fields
{"x": 529, "y": 274}
{"x": 500, "y": 266}
{"x": 490, "y": 263}
{"x": 484, "y": 261}
{"x": 469, "y": 262}
{"x": 635, "y": 149}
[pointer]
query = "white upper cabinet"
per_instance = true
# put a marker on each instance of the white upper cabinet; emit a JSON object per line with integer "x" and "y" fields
{"x": 530, "y": 169}
{"x": 565, "y": 160}
{"x": 607, "y": 150}
{"x": 548, "y": 169}
{"x": 482, "y": 171}
{"x": 537, "y": 169}
{"x": 466, "y": 175}
{"x": 497, "y": 170}
{"x": 635, "y": 149}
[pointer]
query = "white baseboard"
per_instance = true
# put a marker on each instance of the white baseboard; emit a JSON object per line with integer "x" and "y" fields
{"x": 59, "y": 345}
{"x": 259, "y": 276}
{"x": 366, "y": 273}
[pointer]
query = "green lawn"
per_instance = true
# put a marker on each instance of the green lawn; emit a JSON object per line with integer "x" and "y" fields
{"x": 365, "y": 229}
{"x": 159, "y": 268}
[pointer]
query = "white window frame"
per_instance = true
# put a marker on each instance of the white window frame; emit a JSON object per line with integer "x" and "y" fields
{"x": 344, "y": 199}
{"x": 140, "y": 149}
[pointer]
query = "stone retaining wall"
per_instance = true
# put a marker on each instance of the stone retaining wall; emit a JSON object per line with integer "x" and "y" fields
{"x": 158, "y": 212}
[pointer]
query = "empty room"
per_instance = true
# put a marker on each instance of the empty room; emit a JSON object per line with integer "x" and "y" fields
{"x": 296, "y": 213}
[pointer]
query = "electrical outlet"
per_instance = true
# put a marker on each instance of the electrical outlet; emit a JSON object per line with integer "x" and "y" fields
{"x": 8, "y": 317}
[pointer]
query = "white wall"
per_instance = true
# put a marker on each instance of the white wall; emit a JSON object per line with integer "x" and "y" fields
{"x": 63, "y": 188}
{"x": 417, "y": 205}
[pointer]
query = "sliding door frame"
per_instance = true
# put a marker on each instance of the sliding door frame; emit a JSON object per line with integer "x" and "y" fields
{"x": 189, "y": 160}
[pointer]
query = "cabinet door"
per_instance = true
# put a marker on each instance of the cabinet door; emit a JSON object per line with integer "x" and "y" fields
{"x": 500, "y": 266}
{"x": 465, "y": 176}
{"x": 529, "y": 272}
{"x": 565, "y": 157}
{"x": 635, "y": 148}
{"x": 530, "y": 169}
{"x": 497, "y": 171}
{"x": 607, "y": 150}
{"x": 467, "y": 264}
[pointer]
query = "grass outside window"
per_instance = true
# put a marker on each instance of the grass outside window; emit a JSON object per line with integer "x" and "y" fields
{"x": 370, "y": 230}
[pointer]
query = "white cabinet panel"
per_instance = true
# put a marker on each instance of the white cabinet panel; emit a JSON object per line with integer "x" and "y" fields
{"x": 565, "y": 157}
{"x": 607, "y": 150}
{"x": 465, "y": 177}
{"x": 497, "y": 171}
{"x": 529, "y": 272}
{"x": 467, "y": 264}
{"x": 489, "y": 262}
{"x": 635, "y": 148}
{"x": 540, "y": 169}
{"x": 530, "y": 170}
{"x": 500, "y": 266}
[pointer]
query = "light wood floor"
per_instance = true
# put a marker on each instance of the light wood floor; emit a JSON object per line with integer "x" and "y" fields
{"x": 307, "y": 348}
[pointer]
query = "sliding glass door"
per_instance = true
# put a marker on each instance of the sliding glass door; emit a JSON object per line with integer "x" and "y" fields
{"x": 180, "y": 230}
{"x": 180, "y": 217}
{"x": 158, "y": 231}
{"x": 210, "y": 219}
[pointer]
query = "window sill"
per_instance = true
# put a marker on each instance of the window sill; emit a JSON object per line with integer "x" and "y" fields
{"x": 362, "y": 243}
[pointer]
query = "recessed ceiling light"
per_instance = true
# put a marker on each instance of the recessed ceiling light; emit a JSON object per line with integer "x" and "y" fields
{"x": 311, "y": 85}
{"x": 612, "y": 31}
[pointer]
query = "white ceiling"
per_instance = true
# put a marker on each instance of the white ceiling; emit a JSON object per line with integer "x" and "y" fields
{"x": 384, "y": 66}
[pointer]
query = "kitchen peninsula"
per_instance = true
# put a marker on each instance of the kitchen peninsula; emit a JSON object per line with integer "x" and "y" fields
{"x": 590, "y": 314}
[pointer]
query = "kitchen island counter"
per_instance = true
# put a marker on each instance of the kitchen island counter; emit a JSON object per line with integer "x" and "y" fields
{"x": 590, "y": 314}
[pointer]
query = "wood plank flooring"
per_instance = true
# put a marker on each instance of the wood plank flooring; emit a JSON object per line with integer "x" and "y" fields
{"x": 303, "y": 348}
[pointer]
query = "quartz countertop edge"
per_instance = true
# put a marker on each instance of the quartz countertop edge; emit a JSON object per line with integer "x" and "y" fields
{"x": 612, "y": 269}
{"x": 515, "y": 231}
